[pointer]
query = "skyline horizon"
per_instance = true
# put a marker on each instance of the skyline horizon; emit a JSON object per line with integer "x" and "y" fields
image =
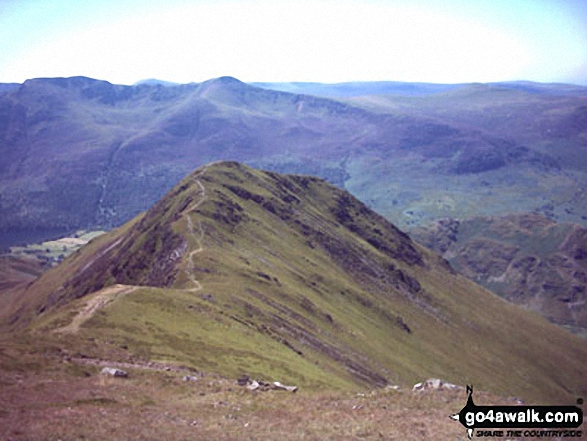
{"x": 325, "y": 41}
{"x": 257, "y": 83}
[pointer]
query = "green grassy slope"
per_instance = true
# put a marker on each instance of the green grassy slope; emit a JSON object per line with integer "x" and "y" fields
{"x": 289, "y": 278}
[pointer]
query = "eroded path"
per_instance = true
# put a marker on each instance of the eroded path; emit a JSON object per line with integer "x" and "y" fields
{"x": 100, "y": 299}
{"x": 198, "y": 236}
{"x": 96, "y": 300}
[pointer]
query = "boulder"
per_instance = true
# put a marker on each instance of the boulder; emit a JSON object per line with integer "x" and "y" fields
{"x": 243, "y": 380}
{"x": 254, "y": 385}
{"x": 434, "y": 384}
{"x": 246, "y": 381}
{"x": 278, "y": 385}
{"x": 114, "y": 372}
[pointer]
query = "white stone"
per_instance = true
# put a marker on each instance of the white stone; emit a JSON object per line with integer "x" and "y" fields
{"x": 114, "y": 372}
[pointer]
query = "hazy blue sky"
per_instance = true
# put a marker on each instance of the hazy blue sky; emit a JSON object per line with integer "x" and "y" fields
{"x": 315, "y": 40}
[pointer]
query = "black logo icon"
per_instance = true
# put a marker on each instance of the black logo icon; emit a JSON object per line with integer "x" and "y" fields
{"x": 516, "y": 417}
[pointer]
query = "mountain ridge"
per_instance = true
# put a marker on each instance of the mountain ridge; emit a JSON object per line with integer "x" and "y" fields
{"x": 81, "y": 153}
{"x": 239, "y": 270}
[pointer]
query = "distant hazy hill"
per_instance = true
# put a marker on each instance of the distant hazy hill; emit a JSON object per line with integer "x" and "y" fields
{"x": 237, "y": 270}
{"x": 8, "y": 87}
{"x": 362, "y": 88}
{"x": 525, "y": 258}
{"x": 359, "y": 88}
{"x": 78, "y": 153}
{"x": 155, "y": 82}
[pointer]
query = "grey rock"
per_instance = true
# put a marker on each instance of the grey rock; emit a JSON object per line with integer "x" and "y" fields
{"x": 114, "y": 372}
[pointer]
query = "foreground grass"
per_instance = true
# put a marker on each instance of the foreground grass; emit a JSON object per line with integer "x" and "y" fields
{"x": 48, "y": 397}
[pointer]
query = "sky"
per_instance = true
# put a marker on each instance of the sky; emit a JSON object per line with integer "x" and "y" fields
{"x": 437, "y": 41}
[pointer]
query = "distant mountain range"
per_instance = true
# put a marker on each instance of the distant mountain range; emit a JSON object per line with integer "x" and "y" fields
{"x": 249, "y": 265}
{"x": 79, "y": 153}
{"x": 287, "y": 277}
{"x": 362, "y": 88}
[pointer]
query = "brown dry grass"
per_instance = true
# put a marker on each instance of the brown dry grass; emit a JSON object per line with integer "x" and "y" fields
{"x": 47, "y": 398}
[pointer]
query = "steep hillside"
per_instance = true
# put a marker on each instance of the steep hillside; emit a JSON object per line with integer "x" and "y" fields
{"x": 286, "y": 277}
{"x": 78, "y": 153}
{"x": 15, "y": 273}
{"x": 525, "y": 258}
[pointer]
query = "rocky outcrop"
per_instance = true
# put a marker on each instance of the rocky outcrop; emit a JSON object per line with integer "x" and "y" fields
{"x": 435, "y": 384}
{"x": 264, "y": 386}
{"x": 526, "y": 258}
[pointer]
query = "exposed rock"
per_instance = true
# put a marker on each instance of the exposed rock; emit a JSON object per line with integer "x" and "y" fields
{"x": 243, "y": 380}
{"x": 278, "y": 385}
{"x": 525, "y": 258}
{"x": 114, "y": 372}
{"x": 434, "y": 384}
{"x": 400, "y": 322}
{"x": 246, "y": 381}
{"x": 253, "y": 385}
{"x": 209, "y": 298}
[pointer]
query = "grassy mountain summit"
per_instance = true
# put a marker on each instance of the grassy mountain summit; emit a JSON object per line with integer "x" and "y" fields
{"x": 288, "y": 278}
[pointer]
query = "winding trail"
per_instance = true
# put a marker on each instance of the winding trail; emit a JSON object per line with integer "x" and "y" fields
{"x": 97, "y": 300}
{"x": 199, "y": 236}
{"x": 104, "y": 297}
